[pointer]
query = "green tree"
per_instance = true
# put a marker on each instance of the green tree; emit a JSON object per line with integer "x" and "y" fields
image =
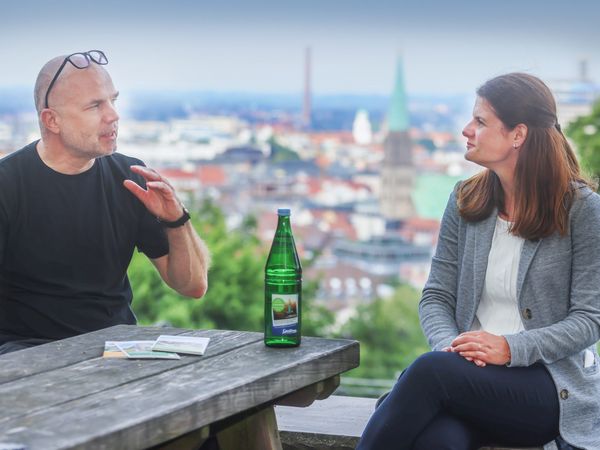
{"x": 235, "y": 297}
{"x": 389, "y": 333}
{"x": 585, "y": 133}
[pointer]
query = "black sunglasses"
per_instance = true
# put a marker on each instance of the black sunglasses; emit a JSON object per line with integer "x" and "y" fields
{"x": 80, "y": 60}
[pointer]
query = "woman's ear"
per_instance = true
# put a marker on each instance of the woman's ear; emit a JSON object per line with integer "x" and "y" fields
{"x": 519, "y": 135}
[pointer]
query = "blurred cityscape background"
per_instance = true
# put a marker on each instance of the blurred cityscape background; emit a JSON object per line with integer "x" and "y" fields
{"x": 349, "y": 115}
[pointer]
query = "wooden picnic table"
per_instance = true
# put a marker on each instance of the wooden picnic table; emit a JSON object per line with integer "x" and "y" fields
{"x": 64, "y": 395}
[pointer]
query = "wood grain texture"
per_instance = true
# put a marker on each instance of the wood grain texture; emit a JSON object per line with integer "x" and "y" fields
{"x": 66, "y": 352}
{"x": 129, "y": 404}
{"x": 91, "y": 376}
{"x": 307, "y": 395}
{"x": 189, "y": 441}
{"x": 258, "y": 431}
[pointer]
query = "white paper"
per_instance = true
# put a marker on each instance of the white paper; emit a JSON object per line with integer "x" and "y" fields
{"x": 192, "y": 345}
{"x": 143, "y": 350}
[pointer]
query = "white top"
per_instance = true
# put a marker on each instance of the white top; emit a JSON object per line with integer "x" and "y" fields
{"x": 498, "y": 311}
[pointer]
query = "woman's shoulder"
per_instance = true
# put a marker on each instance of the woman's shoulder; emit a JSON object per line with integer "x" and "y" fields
{"x": 583, "y": 193}
{"x": 586, "y": 202}
{"x": 453, "y": 197}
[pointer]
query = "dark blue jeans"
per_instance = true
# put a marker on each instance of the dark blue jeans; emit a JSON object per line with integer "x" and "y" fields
{"x": 443, "y": 401}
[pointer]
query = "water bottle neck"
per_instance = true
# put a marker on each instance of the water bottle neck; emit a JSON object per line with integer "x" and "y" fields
{"x": 283, "y": 224}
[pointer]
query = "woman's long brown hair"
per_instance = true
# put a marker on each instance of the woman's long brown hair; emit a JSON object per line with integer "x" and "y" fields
{"x": 547, "y": 173}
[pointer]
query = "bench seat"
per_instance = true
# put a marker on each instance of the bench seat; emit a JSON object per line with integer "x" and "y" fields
{"x": 335, "y": 423}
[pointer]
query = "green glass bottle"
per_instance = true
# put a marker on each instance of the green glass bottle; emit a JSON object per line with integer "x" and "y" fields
{"x": 283, "y": 287}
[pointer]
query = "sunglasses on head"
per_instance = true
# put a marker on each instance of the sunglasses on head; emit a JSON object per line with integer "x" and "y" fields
{"x": 79, "y": 60}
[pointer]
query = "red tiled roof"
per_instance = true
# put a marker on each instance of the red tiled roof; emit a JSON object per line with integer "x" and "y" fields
{"x": 422, "y": 224}
{"x": 174, "y": 174}
{"x": 208, "y": 175}
{"x": 211, "y": 175}
{"x": 344, "y": 137}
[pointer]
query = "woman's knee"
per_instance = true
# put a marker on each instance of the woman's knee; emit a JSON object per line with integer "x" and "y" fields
{"x": 422, "y": 374}
{"x": 431, "y": 372}
{"x": 432, "y": 362}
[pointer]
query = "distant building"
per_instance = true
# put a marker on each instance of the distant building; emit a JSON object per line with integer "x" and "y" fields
{"x": 398, "y": 170}
{"x": 383, "y": 255}
{"x": 307, "y": 103}
{"x": 575, "y": 97}
{"x": 240, "y": 155}
{"x": 361, "y": 128}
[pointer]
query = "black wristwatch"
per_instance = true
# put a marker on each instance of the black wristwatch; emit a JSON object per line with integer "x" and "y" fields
{"x": 179, "y": 222}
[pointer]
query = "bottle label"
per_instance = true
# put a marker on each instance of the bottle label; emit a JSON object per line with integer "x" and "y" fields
{"x": 284, "y": 312}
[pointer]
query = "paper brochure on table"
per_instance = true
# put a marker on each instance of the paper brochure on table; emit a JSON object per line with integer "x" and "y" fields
{"x": 112, "y": 351}
{"x": 192, "y": 345}
{"x": 135, "y": 350}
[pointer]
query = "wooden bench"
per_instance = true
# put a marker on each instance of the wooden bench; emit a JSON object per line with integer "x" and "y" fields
{"x": 335, "y": 423}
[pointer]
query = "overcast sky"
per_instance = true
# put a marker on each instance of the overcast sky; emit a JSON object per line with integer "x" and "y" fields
{"x": 258, "y": 46}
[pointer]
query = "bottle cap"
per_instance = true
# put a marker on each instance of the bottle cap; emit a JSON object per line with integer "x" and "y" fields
{"x": 283, "y": 212}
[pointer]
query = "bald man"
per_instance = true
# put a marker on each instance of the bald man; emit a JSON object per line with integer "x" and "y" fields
{"x": 72, "y": 211}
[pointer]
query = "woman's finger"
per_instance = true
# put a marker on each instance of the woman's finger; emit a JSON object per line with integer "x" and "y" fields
{"x": 468, "y": 346}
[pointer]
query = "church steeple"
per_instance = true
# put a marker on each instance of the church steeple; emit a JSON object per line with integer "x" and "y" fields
{"x": 398, "y": 170}
{"x": 398, "y": 116}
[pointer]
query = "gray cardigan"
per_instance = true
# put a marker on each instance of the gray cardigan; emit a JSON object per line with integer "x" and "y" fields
{"x": 558, "y": 292}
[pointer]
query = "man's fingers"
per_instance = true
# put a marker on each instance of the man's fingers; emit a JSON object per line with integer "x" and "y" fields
{"x": 150, "y": 185}
{"x": 160, "y": 186}
{"x": 146, "y": 172}
{"x": 134, "y": 188}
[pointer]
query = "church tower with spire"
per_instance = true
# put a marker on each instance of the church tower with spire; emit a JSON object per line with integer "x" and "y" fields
{"x": 398, "y": 170}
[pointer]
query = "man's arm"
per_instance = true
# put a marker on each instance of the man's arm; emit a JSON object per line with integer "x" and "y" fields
{"x": 185, "y": 267}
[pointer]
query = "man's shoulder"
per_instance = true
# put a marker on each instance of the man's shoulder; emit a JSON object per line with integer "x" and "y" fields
{"x": 120, "y": 158}
{"x": 14, "y": 165}
{"x": 18, "y": 157}
{"x": 121, "y": 161}
{"x": 118, "y": 167}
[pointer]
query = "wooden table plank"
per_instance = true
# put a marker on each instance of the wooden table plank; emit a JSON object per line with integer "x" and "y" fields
{"x": 60, "y": 386}
{"x": 129, "y": 416}
{"x": 23, "y": 363}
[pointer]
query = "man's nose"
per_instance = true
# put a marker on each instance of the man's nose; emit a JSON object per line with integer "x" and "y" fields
{"x": 111, "y": 114}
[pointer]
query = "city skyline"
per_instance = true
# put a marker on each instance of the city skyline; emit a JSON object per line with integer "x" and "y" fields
{"x": 258, "y": 46}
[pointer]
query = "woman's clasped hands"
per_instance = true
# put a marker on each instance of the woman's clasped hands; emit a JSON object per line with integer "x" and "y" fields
{"x": 481, "y": 348}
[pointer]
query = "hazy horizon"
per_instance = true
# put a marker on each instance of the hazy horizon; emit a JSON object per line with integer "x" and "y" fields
{"x": 258, "y": 46}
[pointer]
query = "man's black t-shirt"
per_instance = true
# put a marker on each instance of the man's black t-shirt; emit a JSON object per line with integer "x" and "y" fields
{"x": 65, "y": 244}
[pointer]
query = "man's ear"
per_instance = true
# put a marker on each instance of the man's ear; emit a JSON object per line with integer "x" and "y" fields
{"x": 520, "y": 134}
{"x": 50, "y": 120}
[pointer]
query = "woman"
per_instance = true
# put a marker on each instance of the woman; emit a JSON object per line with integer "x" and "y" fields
{"x": 512, "y": 305}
